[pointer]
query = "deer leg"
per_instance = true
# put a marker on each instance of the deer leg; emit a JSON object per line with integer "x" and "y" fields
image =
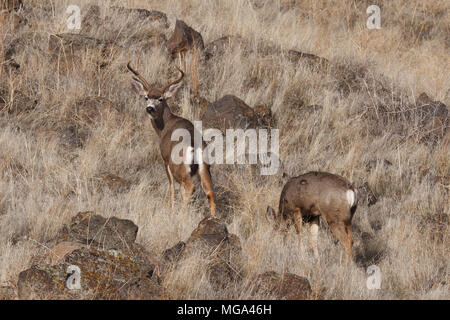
{"x": 205, "y": 179}
{"x": 298, "y": 225}
{"x": 314, "y": 230}
{"x": 171, "y": 188}
{"x": 188, "y": 190}
{"x": 341, "y": 231}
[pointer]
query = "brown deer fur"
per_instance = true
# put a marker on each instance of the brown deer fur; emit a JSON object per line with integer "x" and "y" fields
{"x": 318, "y": 194}
{"x": 165, "y": 123}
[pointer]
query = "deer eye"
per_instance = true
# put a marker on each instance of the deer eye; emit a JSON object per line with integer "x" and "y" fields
{"x": 160, "y": 99}
{"x": 146, "y": 98}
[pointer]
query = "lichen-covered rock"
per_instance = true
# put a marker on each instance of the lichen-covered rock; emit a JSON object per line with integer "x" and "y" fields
{"x": 287, "y": 286}
{"x": 222, "y": 250}
{"x": 93, "y": 258}
{"x": 104, "y": 274}
{"x": 174, "y": 253}
{"x": 210, "y": 231}
{"x": 102, "y": 233}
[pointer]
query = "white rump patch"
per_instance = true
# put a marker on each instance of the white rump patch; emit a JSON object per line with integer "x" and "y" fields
{"x": 351, "y": 198}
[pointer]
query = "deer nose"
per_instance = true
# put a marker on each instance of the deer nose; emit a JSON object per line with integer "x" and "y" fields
{"x": 150, "y": 109}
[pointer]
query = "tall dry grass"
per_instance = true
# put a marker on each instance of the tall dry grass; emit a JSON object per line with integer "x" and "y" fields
{"x": 405, "y": 233}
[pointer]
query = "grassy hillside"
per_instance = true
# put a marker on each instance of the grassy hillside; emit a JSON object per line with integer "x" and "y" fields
{"x": 368, "y": 126}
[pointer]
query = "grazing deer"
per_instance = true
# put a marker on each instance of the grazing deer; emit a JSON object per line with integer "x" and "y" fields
{"x": 165, "y": 123}
{"x": 314, "y": 194}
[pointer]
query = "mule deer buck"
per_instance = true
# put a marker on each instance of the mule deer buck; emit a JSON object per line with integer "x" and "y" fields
{"x": 318, "y": 194}
{"x": 165, "y": 123}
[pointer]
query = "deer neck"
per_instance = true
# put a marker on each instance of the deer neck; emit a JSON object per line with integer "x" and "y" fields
{"x": 160, "y": 123}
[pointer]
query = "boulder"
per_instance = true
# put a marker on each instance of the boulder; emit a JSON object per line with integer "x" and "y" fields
{"x": 128, "y": 19}
{"x": 221, "y": 46}
{"x": 76, "y": 44}
{"x": 183, "y": 39}
{"x": 287, "y": 286}
{"x": 210, "y": 232}
{"x": 211, "y": 237}
{"x": 98, "y": 232}
{"x": 110, "y": 265}
{"x": 103, "y": 275}
{"x": 174, "y": 253}
{"x": 59, "y": 252}
{"x": 142, "y": 15}
{"x": 129, "y": 27}
{"x": 229, "y": 112}
{"x": 223, "y": 250}
{"x": 264, "y": 116}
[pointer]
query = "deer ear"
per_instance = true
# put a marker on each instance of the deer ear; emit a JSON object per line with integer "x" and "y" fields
{"x": 270, "y": 214}
{"x": 172, "y": 90}
{"x": 138, "y": 87}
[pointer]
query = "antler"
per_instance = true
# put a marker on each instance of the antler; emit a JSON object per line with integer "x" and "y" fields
{"x": 139, "y": 77}
{"x": 174, "y": 82}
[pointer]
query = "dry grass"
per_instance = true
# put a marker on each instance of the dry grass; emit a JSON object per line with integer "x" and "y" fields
{"x": 405, "y": 233}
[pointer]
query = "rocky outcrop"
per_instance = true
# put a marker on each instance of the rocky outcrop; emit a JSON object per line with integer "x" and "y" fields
{"x": 107, "y": 262}
{"x": 286, "y": 286}
{"x": 130, "y": 28}
{"x": 229, "y": 112}
{"x": 223, "y": 250}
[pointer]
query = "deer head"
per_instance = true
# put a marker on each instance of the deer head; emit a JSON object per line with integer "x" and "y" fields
{"x": 155, "y": 97}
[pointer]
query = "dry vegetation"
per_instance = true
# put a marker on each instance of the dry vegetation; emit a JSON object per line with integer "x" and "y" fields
{"x": 53, "y": 154}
